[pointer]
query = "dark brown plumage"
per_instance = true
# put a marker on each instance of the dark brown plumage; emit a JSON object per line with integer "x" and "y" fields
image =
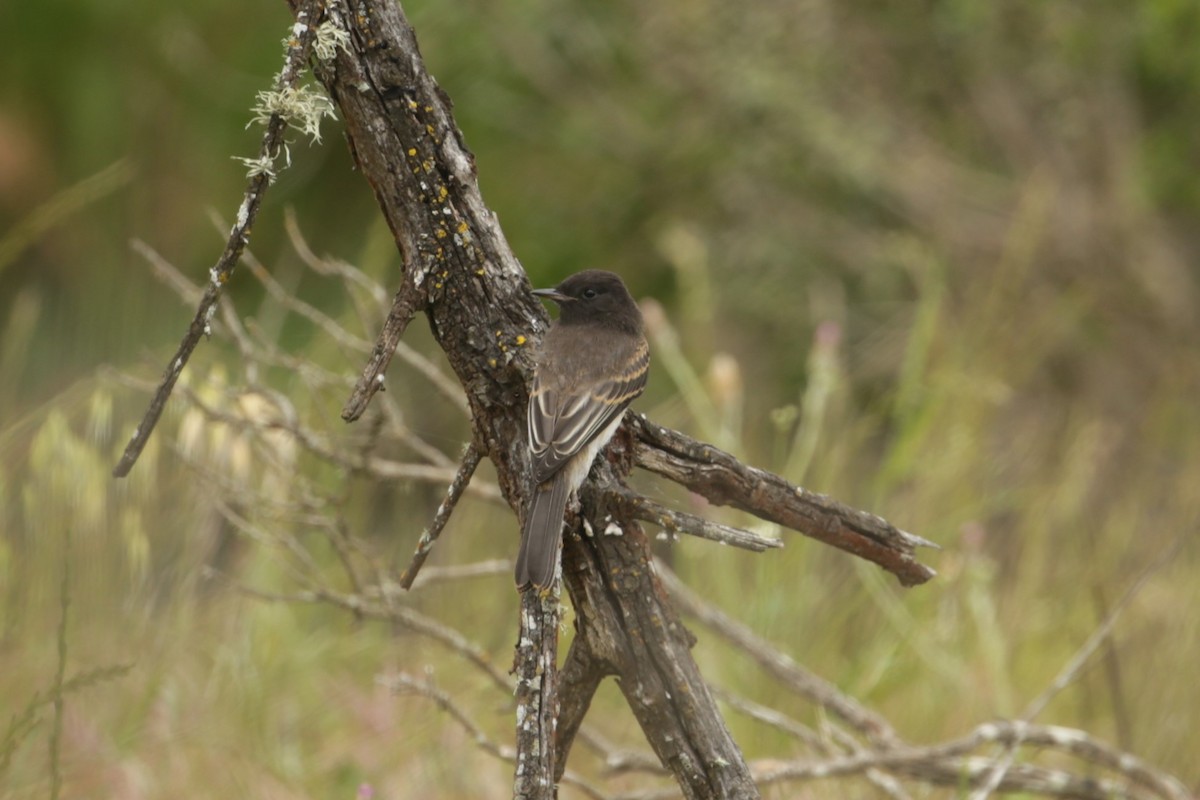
{"x": 593, "y": 363}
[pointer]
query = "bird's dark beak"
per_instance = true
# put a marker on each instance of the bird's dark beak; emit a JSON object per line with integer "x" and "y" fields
{"x": 553, "y": 294}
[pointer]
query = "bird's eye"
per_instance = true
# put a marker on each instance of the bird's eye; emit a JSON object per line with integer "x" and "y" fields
{"x": 589, "y": 293}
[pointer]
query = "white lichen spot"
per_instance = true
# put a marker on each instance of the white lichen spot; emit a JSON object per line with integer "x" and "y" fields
{"x": 214, "y": 276}
{"x": 663, "y": 536}
{"x": 613, "y": 529}
{"x": 587, "y": 528}
{"x": 379, "y": 379}
{"x": 243, "y": 212}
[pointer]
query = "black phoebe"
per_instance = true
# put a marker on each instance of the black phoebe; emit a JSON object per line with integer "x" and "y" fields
{"x": 592, "y": 364}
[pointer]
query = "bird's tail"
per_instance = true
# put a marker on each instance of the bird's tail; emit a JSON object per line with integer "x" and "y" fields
{"x": 538, "y": 555}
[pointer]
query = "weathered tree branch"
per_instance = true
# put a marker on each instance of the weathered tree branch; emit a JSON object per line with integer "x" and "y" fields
{"x": 866, "y": 747}
{"x": 461, "y": 272}
{"x": 723, "y": 480}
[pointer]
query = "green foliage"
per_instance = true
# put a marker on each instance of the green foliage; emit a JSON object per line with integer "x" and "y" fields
{"x": 934, "y": 259}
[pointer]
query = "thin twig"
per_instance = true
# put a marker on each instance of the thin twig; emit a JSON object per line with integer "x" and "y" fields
{"x": 680, "y": 522}
{"x": 351, "y": 277}
{"x": 944, "y": 764}
{"x": 324, "y": 266}
{"x": 457, "y": 572}
{"x": 64, "y": 604}
{"x": 773, "y": 718}
{"x": 299, "y": 47}
{"x": 466, "y": 469}
{"x": 409, "y": 299}
{"x": 406, "y": 684}
{"x": 375, "y": 467}
{"x": 1071, "y": 670}
{"x": 818, "y": 690}
{"x": 967, "y": 771}
{"x": 386, "y": 610}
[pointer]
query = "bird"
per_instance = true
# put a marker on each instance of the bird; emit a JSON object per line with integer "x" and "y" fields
{"x": 593, "y": 362}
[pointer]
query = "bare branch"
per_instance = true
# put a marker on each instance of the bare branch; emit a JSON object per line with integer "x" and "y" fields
{"x": 1070, "y": 671}
{"x": 406, "y": 684}
{"x": 470, "y": 461}
{"x": 970, "y": 772}
{"x": 457, "y": 572}
{"x": 409, "y": 299}
{"x": 722, "y": 479}
{"x": 299, "y": 47}
{"x": 783, "y": 668}
{"x": 679, "y": 522}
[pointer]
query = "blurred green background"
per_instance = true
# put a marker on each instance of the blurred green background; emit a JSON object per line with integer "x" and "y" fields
{"x": 936, "y": 259}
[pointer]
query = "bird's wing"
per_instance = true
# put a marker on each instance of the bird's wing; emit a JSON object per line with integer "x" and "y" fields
{"x": 562, "y": 422}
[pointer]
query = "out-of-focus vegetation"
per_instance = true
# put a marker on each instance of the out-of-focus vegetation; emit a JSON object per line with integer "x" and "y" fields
{"x": 937, "y": 259}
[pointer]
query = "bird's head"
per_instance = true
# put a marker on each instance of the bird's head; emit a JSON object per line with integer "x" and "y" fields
{"x": 594, "y": 296}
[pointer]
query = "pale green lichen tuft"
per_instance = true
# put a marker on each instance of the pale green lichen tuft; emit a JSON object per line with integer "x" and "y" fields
{"x": 330, "y": 38}
{"x": 303, "y": 107}
{"x": 265, "y": 165}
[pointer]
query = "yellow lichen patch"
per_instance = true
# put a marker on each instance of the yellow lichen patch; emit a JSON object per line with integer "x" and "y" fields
{"x": 440, "y": 233}
{"x": 520, "y": 340}
{"x": 412, "y": 151}
{"x": 443, "y": 193}
{"x": 462, "y": 226}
